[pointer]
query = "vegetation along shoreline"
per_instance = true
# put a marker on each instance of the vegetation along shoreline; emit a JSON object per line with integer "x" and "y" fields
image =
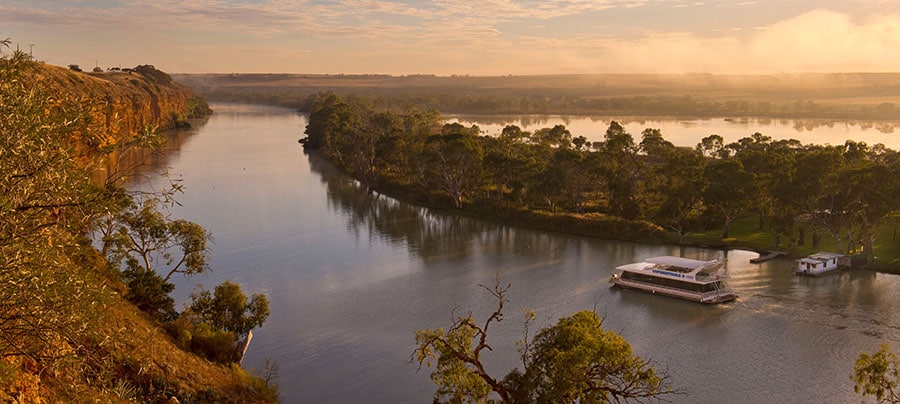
{"x": 755, "y": 193}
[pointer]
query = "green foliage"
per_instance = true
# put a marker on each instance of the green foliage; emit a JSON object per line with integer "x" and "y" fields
{"x": 794, "y": 190}
{"x": 215, "y": 322}
{"x": 227, "y": 308}
{"x": 214, "y": 344}
{"x": 453, "y": 163}
{"x": 574, "y": 361}
{"x": 46, "y": 203}
{"x": 198, "y": 107}
{"x": 148, "y": 291}
{"x": 142, "y": 235}
{"x": 729, "y": 191}
{"x": 878, "y": 375}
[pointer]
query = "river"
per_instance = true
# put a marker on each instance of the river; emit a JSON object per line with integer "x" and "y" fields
{"x": 351, "y": 277}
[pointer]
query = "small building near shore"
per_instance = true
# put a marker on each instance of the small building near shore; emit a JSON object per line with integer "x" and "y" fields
{"x": 819, "y": 263}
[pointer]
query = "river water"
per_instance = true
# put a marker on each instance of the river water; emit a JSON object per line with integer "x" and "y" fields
{"x": 688, "y": 131}
{"x": 351, "y": 277}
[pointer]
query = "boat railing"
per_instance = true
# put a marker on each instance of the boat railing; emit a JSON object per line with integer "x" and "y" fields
{"x": 711, "y": 277}
{"x": 704, "y": 295}
{"x": 713, "y": 296}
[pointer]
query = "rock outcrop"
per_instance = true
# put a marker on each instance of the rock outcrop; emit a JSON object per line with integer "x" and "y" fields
{"x": 126, "y": 102}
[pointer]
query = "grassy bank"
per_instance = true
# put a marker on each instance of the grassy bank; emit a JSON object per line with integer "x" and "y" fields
{"x": 745, "y": 233}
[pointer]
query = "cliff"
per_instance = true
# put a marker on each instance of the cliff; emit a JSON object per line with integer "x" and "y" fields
{"x": 125, "y": 102}
{"x": 68, "y": 332}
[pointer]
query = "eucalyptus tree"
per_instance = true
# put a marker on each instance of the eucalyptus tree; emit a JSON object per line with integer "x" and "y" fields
{"x": 227, "y": 308}
{"x": 510, "y": 166}
{"x": 151, "y": 247}
{"x": 621, "y": 170}
{"x": 555, "y": 137}
{"x": 567, "y": 179}
{"x": 878, "y": 374}
{"x": 573, "y": 361}
{"x": 400, "y": 150}
{"x": 330, "y": 117}
{"x": 653, "y": 144}
{"x": 728, "y": 192}
{"x": 678, "y": 186}
{"x": 806, "y": 194}
{"x": 452, "y": 162}
{"x": 712, "y": 146}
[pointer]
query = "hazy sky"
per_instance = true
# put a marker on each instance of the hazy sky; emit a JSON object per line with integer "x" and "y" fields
{"x": 477, "y": 37}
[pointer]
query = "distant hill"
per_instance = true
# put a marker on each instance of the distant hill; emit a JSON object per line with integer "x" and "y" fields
{"x": 825, "y": 95}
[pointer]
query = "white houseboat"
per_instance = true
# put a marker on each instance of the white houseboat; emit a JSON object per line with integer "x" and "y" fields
{"x": 684, "y": 278}
{"x": 819, "y": 263}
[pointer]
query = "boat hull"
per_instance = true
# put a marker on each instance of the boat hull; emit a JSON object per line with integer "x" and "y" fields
{"x": 813, "y": 272}
{"x": 719, "y": 296}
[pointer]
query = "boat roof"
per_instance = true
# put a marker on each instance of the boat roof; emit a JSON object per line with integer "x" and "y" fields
{"x": 680, "y": 262}
{"x": 686, "y": 269}
{"x": 819, "y": 257}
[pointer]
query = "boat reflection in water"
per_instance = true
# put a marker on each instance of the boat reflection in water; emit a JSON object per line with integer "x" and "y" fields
{"x": 684, "y": 278}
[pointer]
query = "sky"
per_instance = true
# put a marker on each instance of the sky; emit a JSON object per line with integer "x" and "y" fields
{"x": 473, "y": 37}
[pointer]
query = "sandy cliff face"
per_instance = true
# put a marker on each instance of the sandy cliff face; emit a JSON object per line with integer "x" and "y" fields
{"x": 127, "y": 102}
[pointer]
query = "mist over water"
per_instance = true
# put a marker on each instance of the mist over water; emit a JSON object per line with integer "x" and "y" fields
{"x": 351, "y": 277}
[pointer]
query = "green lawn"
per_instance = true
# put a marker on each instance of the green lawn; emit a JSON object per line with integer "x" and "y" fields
{"x": 745, "y": 232}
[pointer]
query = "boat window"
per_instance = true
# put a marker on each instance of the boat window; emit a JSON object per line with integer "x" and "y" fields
{"x": 673, "y": 283}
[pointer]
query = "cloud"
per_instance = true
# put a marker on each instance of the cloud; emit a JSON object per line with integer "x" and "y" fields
{"x": 462, "y": 36}
{"x": 815, "y": 41}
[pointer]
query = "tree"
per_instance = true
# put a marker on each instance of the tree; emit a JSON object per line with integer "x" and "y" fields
{"x": 576, "y": 360}
{"x": 621, "y": 168}
{"x": 227, "y": 308}
{"x": 572, "y": 361}
{"x": 677, "y": 192}
{"x": 711, "y": 146}
{"x": 453, "y": 162}
{"x": 148, "y": 291}
{"x": 878, "y": 375}
{"x": 566, "y": 179}
{"x": 144, "y": 234}
{"x": 728, "y": 192}
{"x": 653, "y": 144}
{"x": 331, "y": 116}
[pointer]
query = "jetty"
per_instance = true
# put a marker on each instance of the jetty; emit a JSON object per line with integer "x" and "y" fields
{"x": 770, "y": 255}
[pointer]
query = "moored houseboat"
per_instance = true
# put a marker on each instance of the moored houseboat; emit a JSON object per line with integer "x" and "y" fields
{"x": 819, "y": 263}
{"x": 684, "y": 278}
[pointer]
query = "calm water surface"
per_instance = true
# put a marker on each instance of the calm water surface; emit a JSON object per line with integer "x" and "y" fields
{"x": 351, "y": 277}
{"x": 688, "y": 132}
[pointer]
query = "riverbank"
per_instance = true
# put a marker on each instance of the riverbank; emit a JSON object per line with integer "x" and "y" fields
{"x": 745, "y": 233}
{"x": 70, "y": 330}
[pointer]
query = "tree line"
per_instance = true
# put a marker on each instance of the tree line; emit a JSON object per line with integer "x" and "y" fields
{"x": 549, "y": 101}
{"x": 799, "y": 192}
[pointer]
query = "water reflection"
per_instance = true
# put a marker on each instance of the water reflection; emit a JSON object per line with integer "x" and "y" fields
{"x": 687, "y": 131}
{"x": 352, "y": 276}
